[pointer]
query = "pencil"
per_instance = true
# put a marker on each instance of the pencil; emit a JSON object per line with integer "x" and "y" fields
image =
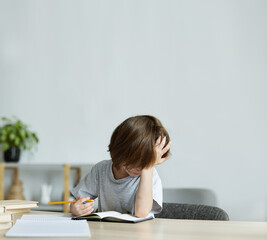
{"x": 63, "y": 202}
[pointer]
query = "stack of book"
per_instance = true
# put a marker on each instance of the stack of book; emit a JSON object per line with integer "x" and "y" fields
{"x": 11, "y": 210}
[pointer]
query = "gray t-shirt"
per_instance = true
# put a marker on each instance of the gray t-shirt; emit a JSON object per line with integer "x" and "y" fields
{"x": 115, "y": 195}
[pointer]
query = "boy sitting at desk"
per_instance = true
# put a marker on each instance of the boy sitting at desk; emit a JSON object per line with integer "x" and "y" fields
{"x": 128, "y": 183}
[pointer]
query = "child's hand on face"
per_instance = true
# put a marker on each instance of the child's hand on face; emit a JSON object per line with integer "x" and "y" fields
{"x": 161, "y": 150}
{"x": 80, "y": 207}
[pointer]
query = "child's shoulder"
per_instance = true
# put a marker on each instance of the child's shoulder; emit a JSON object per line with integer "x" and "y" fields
{"x": 103, "y": 164}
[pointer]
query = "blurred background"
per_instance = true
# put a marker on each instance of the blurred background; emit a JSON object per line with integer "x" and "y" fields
{"x": 74, "y": 70}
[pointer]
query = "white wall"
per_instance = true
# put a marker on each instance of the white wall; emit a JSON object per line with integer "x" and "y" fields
{"x": 75, "y": 69}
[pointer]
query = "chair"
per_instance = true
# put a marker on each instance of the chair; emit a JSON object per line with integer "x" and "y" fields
{"x": 192, "y": 211}
{"x": 201, "y": 196}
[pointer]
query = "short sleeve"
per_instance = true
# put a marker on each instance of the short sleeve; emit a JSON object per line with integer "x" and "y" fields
{"x": 88, "y": 186}
{"x": 157, "y": 193}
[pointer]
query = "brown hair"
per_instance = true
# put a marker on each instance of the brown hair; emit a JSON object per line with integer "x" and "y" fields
{"x": 133, "y": 141}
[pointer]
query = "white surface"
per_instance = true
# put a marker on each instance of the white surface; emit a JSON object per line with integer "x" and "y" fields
{"x": 74, "y": 71}
{"x": 49, "y": 228}
{"x": 116, "y": 215}
{"x": 45, "y": 217}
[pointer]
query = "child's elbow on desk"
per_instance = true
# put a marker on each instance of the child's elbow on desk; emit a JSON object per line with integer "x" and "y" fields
{"x": 143, "y": 207}
{"x": 141, "y": 213}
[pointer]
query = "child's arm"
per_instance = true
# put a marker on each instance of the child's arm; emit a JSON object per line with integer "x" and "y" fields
{"x": 80, "y": 207}
{"x": 144, "y": 196}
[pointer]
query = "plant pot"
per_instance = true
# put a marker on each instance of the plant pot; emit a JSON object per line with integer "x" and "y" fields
{"x": 12, "y": 154}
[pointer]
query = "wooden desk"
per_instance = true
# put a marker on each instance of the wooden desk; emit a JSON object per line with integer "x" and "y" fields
{"x": 179, "y": 229}
{"x": 173, "y": 229}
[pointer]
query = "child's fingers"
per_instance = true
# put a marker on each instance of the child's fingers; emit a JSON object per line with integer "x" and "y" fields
{"x": 81, "y": 209}
{"x": 158, "y": 141}
{"x": 87, "y": 210}
{"x": 164, "y": 159}
{"x": 167, "y": 148}
{"x": 162, "y": 144}
{"x": 87, "y": 205}
{"x": 81, "y": 200}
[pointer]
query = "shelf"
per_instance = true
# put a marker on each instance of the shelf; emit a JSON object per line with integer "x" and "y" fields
{"x": 64, "y": 168}
{"x": 51, "y": 208}
{"x": 44, "y": 166}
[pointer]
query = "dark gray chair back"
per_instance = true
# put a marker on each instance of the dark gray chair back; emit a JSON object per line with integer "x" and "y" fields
{"x": 192, "y": 211}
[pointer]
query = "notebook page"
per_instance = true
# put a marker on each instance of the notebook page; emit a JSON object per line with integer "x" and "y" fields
{"x": 51, "y": 228}
{"x": 108, "y": 214}
{"x": 121, "y": 216}
{"x": 129, "y": 217}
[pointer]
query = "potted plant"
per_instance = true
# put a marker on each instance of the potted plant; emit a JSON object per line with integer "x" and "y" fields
{"x": 14, "y": 136}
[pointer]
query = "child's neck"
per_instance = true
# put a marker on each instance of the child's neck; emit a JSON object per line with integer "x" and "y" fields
{"x": 119, "y": 174}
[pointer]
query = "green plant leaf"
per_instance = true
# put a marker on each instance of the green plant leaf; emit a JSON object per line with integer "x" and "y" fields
{"x": 12, "y": 136}
{"x": 5, "y": 147}
{"x": 4, "y": 131}
{"x": 15, "y": 133}
{"x": 22, "y": 133}
{"x": 18, "y": 124}
{"x": 6, "y": 119}
{"x": 35, "y": 137}
{"x": 17, "y": 141}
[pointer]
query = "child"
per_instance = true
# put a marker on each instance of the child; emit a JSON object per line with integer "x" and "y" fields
{"x": 128, "y": 183}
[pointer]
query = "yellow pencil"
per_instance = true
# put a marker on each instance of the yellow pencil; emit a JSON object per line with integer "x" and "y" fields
{"x": 63, "y": 202}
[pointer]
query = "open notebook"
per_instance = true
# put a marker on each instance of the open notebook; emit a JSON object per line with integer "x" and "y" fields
{"x": 112, "y": 216}
{"x": 48, "y": 226}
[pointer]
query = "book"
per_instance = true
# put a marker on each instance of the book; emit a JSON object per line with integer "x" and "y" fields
{"x": 13, "y": 206}
{"x": 113, "y": 216}
{"x": 10, "y": 217}
{"x": 48, "y": 226}
{"x": 17, "y": 211}
{"x": 5, "y": 218}
{"x": 5, "y": 225}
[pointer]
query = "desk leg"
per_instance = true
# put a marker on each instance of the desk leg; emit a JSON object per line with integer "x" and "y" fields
{"x": 66, "y": 186}
{"x": 2, "y": 173}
